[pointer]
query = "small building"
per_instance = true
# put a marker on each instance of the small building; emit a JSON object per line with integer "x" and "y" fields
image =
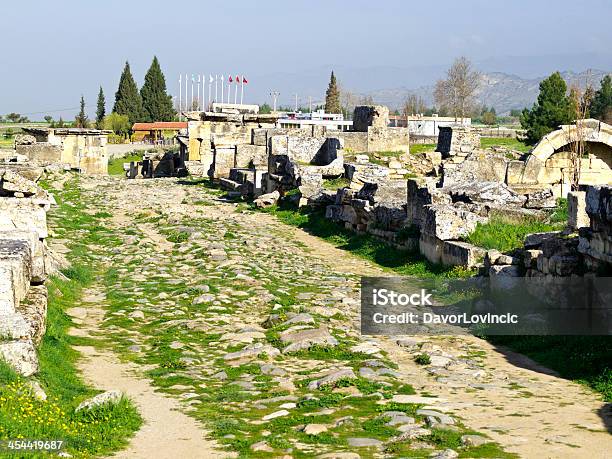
{"x": 82, "y": 149}
{"x": 426, "y": 126}
{"x": 159, "y": 132}
{"x": 296, "y": 120}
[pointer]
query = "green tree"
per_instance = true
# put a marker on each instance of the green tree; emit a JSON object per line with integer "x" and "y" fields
{"x": 100, "y": 109}
{"x": 127, "y": 98}
{"x": 552, "y": 109}
{"x": 60, "y": 123}
{"x": 119, "y": 124}
{"x": 601, "y": 104}
{"x": 81, "y": 120}
{"x": 332, "y": 96}
{"x": 156, "y": 101}
{"x": 489, "y": 117}
{"x": 265, "y": 109}
{"x": 13, "y": 117}
{"x": 48, "y": 118}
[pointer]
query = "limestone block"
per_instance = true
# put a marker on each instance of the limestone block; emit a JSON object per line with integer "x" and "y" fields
{"x": 15, "y": 273}
{"x": 13, "y": 326}
{"x": 431, "y": 247}
{"x": 21, "y": 356}
{"x": 455, "y": 253}
{"x": 576, "y": 209}
{"x": 447, "y": 222}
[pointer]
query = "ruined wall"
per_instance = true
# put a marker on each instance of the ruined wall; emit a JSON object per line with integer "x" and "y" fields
{"x": 23, "y": 268}
{"x": 595, "y": 242}
{"x": 457, "y": 141}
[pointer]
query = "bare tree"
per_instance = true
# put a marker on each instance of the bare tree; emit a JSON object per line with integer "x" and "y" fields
{"x": 580, "y": 102}
{"x": 413, "y": 105}
{"x": 456, "y": 92}
{"x": 348, "y": 99}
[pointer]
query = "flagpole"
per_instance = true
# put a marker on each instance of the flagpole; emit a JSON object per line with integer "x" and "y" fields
{"x": 241, "y": 89}
{"x": 216, "y": 78}
{"x": 222, "y": 88}
{"x": 236, "y": 93}
{"x": 198, "y": 91}
{"x": 186, "y": 91}
{"x": 209, "y": 90}
{"x": 180, "y": 96}
{"x": 229, "y": 90}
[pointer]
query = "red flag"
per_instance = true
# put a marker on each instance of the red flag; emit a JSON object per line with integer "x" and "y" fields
{"x": 244, "y": 80}
{"x": 237, "y": 79}
{"x": 230, "y": 79}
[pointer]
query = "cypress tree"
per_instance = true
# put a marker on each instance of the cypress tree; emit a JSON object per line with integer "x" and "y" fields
{"x": 601, "y": 105}
{"x": 552, "y": 109}
{"x": 157, "y": 103}
{"x": 81, "y": 120}
{"x": 332, "y": 96}
{"x": 101, "y": 109}
{"x": 127, "y": 98}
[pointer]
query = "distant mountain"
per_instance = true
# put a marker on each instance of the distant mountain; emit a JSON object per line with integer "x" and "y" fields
{"x": 390, "y": 85}
{"x": 500, "y": 90}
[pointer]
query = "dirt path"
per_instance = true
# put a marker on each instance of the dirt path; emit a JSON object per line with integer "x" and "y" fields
{"x": 196, "y": 280}
{"x": 166, "y": 431}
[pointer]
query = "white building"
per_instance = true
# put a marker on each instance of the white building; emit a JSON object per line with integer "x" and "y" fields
{"x": 426, "y": 126}
{"x": 333, "y": 121}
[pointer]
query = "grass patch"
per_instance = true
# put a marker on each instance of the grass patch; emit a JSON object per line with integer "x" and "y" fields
{"x": 335, "y": 184}
{"x": 504, "y": 233}
{"x": 115, "y": 165}
{"x": 417, "y": 148}
{"x": 511, "y": 143}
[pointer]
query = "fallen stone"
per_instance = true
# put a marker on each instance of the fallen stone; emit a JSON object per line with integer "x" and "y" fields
{"x": 446, "y": 454}
{"x": 21, "y": 356}
{"x": 111, "y": 396}
{"x": 262, "y": 446}
{"x": 267, "y": 200}
{"x": 474, "y": 440}
{"x": 314, "y": 429}
{"x": 276, "y": 414}
{"x": 252, "y": 351}
{"x": 304, "y": 339}
{"x": 331, "y": 378}
{"x": 364, "y": 442}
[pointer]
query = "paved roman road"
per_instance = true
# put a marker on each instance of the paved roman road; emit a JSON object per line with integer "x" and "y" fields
{"x": 179, "y": 308}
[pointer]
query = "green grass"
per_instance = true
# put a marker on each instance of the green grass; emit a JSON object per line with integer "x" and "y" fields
{"x": 364, "y": 245}
{"x": 504, "y": 234}
{"x": 335, "y": 184}
{"x": 417, "y": 148}
{"x": 100, "y": 431}
{"x": 115, "y": 165}
{"x": 512, "y": 143}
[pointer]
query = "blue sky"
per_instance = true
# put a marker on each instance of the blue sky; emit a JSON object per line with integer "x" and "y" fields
{"x": 52, "y": 52}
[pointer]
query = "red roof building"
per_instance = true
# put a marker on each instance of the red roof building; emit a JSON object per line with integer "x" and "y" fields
{"x": 157, "y": 131}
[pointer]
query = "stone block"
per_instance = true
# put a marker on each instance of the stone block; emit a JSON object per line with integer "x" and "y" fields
{"x": 576, "y": 210}
{"x": 447, "y": 222}
{"x": 456, "y": 253}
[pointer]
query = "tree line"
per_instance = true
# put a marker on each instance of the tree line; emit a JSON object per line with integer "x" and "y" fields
{"x": 150, "y": 103}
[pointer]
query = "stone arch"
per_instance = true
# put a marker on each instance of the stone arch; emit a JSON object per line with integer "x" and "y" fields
{"x": 545, "y": 163}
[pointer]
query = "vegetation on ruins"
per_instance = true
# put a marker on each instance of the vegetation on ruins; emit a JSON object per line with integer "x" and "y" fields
{"x": 127, "y": 98}
{"x": 332, "y": 96}
{"x": 601, "y": 104}
{"x": 81, "y": 120}
{"x": 100, "y": 110}
{"x": 156, "y": 101}
{"x": 456, "y": 93}
{"x": 552, "y": 109}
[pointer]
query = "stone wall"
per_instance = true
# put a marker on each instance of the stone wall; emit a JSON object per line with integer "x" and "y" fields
{"x": 24, "y": 266}
{"x": 596, "y": 240}
{"x": 82, "y": 149}
{"x": 457, "y": 141}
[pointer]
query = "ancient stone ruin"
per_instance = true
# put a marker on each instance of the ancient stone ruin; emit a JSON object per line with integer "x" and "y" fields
{"x": 80, "y": 149}
{"x": 24, "y": 265}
